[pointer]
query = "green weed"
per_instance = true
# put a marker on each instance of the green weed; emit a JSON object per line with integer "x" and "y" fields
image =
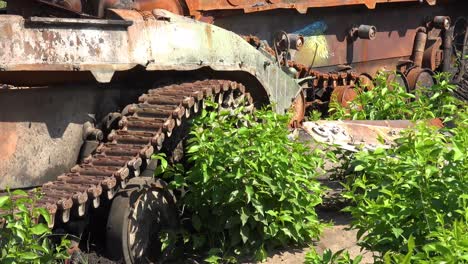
{"x": 22, "y": 239}
{"x": 249, "y": 188}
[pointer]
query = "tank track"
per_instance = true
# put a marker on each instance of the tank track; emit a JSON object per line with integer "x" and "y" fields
{"x": 143, "y": 129}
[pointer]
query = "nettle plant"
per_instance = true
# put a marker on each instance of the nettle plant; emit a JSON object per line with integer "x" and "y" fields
{"x": 406, "y": 194}
{"x": 449, "y": 244}
{"x": 22, "y": 239}
{"x": 248, "y": 188}
{"x": 390, "y": 101}
{"x": 328, "y": 257}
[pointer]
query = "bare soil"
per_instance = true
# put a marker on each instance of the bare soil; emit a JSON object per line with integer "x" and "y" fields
{"x": 335, "y": 237}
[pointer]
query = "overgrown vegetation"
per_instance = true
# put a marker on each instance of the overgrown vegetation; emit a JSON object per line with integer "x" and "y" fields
{"x": 328, "y": 257}
{"x": 22, "y": 239}
{"x": 389, "y": 100}
{"x": 249, "y": 188}
{"x": 2, "y": 4}
{"x": 409, "y": 203}
{"x": 411, "y": 190}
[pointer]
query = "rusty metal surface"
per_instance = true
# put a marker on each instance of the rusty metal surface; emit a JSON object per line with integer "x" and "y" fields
{"x": 249, "y": 6}
{"x": 196, "y": 8}
{"x": 327, "y": 45}
{"x": 41, "y": 130}
{"x": 343, "y": 95}
{"x": 355, "y": 135}
{"x": 351, "y": 135}
{"x": 419, "y": 78}
{"x": 298, "y": 108}
{"x": 433, "y": 54}
{"x": 155, "y": 41}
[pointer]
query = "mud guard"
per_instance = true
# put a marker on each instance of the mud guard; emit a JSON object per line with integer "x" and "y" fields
{"x": 157, "y": 40}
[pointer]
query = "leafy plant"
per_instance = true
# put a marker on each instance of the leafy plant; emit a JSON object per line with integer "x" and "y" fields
{"x": 412, "y": 190}
{"x": 248, "y": 188}
{"x": 384, "y": 101}
{"x": 328, "y": 257}
{"x": 389, "y": 100}
{"x": 449, "y": 245}
{"x": 22, "y": 239}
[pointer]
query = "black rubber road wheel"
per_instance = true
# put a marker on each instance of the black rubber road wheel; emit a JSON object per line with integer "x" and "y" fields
{"x": 137, "y": 216}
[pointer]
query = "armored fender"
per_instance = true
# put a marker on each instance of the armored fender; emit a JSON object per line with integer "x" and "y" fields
{"x": 157, "y": 40}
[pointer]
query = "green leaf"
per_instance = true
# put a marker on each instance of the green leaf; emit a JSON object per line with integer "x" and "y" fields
{"x": 287, "y": 232}
{"x": 244, "y": 216}
{"x": 39, "y": 229}
{"x": 19, "y": 193}
{"x": 4, "y": 200}
{"x": 28, "y": 256}
{"x": 21, "y": 234}
{"x": 407, "y": 258}
{"x": 233, "y": 196}
{"x": 359, "y": 168}
{"x": 258, "y": 206}
{"x": 205, "y": 172}
{"x": 213, "y": 259}
{"x": 249, "y": 191}
{"x": 379, "y": 150}
{"x": 45, "y": 214}
{"x": 261, "y": 254}
{"x": 358, "y": 259}
{"x": 411, "y": 243}
{"x": 397, "y": 232}
{"x": 244, "y": 232}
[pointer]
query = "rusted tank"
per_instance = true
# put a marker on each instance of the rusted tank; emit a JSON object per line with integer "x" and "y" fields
{"x": 91, "y": 89}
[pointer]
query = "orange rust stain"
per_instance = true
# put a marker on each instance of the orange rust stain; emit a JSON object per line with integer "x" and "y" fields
{"x": 8, "y": 140}
{"x": 209, "y": 36}
{"x": 7, "y": 30}
{"x": 365, "y": 50}
{"x": 173, "y": 6}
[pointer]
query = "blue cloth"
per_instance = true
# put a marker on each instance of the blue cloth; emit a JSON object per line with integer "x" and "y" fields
{"x": 316, "y": 28}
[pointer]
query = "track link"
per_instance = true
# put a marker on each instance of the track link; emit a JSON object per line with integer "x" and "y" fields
{"x": 142, "y": 132}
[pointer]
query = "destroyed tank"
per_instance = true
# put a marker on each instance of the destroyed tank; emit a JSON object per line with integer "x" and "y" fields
{"x": 90, "y": 90}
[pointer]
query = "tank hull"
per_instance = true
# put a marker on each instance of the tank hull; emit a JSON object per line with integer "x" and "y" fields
{"x": 42, "y": 132}
{"x": 62, "y": 70}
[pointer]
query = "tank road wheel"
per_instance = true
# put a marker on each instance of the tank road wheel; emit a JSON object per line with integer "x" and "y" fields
{"x": 137, "y": 216}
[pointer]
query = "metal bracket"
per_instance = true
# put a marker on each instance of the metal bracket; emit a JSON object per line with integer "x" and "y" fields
{"x": 100, "y": 23}
{"x": 305, "y": 79}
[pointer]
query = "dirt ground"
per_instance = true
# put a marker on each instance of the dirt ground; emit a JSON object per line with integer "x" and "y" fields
{"x": 335, "y": 237}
